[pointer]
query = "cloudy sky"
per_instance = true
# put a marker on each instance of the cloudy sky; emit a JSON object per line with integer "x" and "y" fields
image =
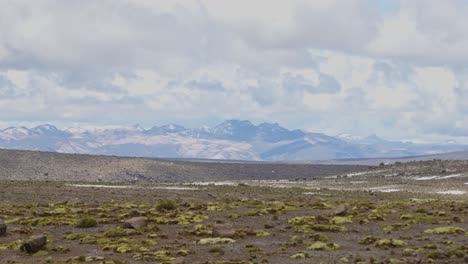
{"x": 394, "y": 68}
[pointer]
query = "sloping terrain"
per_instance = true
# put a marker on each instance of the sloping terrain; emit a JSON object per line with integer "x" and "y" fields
{"x": 233, "y": 140}
{"x": 47, "y": 166}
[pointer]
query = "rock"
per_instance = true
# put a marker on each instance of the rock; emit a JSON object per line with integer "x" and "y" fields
{"x": 34, "y": 244}
{"x": 135, "y": 223}
{"x": 3, "y": 228}
{"x": 39, "y": 212}
{"x": 340, "y": 210}
{"x": 224, "y": 231}
{"x": 42, "y": 204}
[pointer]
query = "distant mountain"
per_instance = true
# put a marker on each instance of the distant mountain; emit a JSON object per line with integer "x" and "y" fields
{"x": 232, "y": 139}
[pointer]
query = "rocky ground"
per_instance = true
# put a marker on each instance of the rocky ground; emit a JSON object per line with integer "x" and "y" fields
{"x": 403, "y": 213}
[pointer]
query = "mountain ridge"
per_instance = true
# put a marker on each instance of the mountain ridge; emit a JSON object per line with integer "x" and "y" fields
{"x": 230, "y": 140}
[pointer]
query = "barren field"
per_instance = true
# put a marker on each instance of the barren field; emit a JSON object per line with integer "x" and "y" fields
{"x": 49, "y": 166}
{"x": 406, "y": 213}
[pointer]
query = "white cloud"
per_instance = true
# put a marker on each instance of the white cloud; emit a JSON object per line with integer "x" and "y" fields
{"x": 425, "y": 32}
{"x": 319, "y": 102}
{"x": 332, "y": 66}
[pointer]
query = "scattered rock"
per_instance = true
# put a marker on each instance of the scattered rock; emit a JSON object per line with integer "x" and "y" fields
{"x": 39, "y": 212}
{"x": 34, "y": 244}
{"x": 224, "y": 231}
{"x": 42, "y": 204}
{"x": 135, "y": 223}
{"x": 339, "y": 210}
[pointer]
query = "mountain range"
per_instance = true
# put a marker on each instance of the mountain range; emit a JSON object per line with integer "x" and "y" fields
{"x": 230, "y": 140}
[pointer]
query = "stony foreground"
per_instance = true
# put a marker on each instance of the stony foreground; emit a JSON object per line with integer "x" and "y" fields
{"x": 230, "y": 224}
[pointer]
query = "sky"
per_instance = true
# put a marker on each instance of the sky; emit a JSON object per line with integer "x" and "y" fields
{"x": 393, "y": 68}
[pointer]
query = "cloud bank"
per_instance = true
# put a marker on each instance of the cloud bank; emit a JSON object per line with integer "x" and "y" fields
{"x": 330, "y": 66}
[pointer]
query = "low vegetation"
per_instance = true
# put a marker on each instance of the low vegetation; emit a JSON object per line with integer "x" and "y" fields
{"x": 236, "y": 224}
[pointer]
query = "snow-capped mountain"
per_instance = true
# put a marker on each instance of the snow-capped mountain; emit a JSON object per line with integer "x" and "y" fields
{"x": 232, "y": 139}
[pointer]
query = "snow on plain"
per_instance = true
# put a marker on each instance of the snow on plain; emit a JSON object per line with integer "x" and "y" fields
{"x": 454, "y": 192}
{"x": 364, "y": 173}
{"x": 221, "y": 183}
{"x": 438, "y": 177}
{"x": 390, "y": 190}
{"x": 102, "y": 186}
{"x": 426, "y": 178}
{"x": 385, "y": 189}
{"x": 176, "y": 188}
{"x": 451, "y": 176}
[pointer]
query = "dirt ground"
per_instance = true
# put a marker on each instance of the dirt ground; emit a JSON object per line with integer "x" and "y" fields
{"x": 327, "y": 220}
{"x": 49, "y": 166}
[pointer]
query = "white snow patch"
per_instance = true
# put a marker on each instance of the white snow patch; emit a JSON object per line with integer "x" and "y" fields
{"x": 178, "y": 188}
{"x": 102, "y": 186}
{"x": 426, "y": 178}
{"x": 452, "y": 176}
{"x": 438, "y": 177}
{"x": 385, "y": 189}
{"x": 314, "y": 193}
{"x": 454, "y": 192}
{"x": 221, "y": 183}
{"x": 389, "y": 190}
{"x": 364, "y": 173}
{"x": 358, "y": 173}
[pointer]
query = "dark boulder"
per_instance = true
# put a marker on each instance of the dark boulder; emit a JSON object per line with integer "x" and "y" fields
{"x": 34, "y": 244}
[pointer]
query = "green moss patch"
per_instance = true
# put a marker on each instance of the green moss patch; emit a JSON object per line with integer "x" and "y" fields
{"x": 308, "y": 224}
{"x": 215, "y": 240}
{"x": 446, "y": 230}
{"x": 160, "y": 256}
{"x": 389, "y": 243}
{"x": 368, "y": 240}
{"x": 86, "y": 222}
{"x": 319, "y": 245}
